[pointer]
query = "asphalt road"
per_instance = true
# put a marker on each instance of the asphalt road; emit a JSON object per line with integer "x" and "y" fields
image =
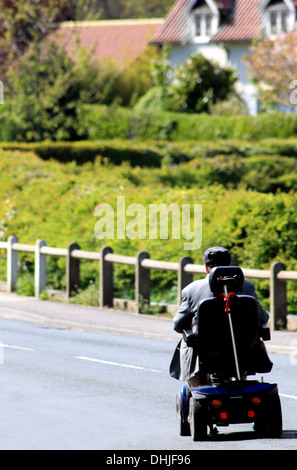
{"x": 72, "y": 390}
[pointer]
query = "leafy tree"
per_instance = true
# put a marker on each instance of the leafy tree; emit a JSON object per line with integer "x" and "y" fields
{"x": 142, "y": 8}
{"x": 97, "y": 79}
{"x": 110, "y": 9}
{"x": 273, "y": 66}
{"x": 194, "y": 85}
{"x": 44, "y": 95}
{"x": 25, "y": 22}
{"x": 47, "y": 89}
{"x": 94, "y": 9}
{"x": 136, "y": 78}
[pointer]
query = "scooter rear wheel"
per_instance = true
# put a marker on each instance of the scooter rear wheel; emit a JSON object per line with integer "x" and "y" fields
{"x": 182, "y": 421}
{"x": 198, "y": 422}
{"x": 268, "y": 423}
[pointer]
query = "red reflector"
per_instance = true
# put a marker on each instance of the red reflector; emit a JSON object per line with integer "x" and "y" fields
{"x": 256, "y": 401}
{"x": 216, "y": 403}
{"x": 251, "y": 414}
{"x": 223, "y": 415}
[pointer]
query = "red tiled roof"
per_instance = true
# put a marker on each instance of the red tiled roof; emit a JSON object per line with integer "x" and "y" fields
{"x": 174, "y": 29}
{"x": 121, "y": 40}
{"x": 245, "y": 24}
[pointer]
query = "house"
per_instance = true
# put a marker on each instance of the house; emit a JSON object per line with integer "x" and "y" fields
{"x": 121, "y": 40}
{"x": 223, "y": 30}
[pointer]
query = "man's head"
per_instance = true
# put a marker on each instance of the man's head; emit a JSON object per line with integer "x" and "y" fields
{"x": 216, "y": 256}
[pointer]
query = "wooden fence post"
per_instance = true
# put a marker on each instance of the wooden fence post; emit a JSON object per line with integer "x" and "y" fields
{"x": 278, "y": 297}
{"x": 142, "y": 282}
{"x": 72, "y": 271}
{"x": 40, "y": 268}
{"x": 184, "y": 278}
{"x": 12, "y": 265}
{"x": 106, "y": 279}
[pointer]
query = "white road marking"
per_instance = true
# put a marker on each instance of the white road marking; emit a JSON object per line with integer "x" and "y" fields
{"x": 287, "y": 396}
{"x": 131, "y": 366}
{"x": 12, "y": 346}
{"x": 119, "y": 364}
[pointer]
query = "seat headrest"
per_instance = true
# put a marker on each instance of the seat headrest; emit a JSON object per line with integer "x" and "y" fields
{"x": 232, "y": 276}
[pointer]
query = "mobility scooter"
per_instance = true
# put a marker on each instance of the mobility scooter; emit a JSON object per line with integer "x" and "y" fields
{"x": 229, "y": 341}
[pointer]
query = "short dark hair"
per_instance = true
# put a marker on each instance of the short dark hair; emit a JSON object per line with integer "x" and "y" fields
{"x": 216, "y": 256}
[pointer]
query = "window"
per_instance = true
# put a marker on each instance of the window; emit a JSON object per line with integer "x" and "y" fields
{"x": 284, "y": 22}
{"x": 278, "y": 22}
{"x": 198, "y": 21}
{"x": 273, "y": 22}
{"x": 208, "y": 23}
{"x": 203, "y": 25}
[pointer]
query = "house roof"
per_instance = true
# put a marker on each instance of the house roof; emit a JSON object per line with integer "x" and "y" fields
{"x": 175, "y": 26}
{"x": 244, "y": 23}
{"x": 121, "y": 40}
{"x": 175, "y": 29}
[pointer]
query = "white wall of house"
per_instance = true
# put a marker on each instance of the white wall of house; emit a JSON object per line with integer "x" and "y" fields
{"x": 225, "y": 56}
{"x": 213, "y": 52}
{"x": 244, "y": 86}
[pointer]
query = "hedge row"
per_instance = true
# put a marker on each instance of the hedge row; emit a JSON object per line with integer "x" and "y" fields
{"x": 153, "y": 154}
{"x": 85, "y": 151}
{"x": 99, "y": 122}
{"x": 228, "y": 163}
{"x": 41, "y": 199}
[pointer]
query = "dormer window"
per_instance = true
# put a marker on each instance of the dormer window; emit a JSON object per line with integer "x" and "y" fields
{"x": 204, "y": 24}
{"x": 278, "y": 19}
{"x": 278, "y": 22}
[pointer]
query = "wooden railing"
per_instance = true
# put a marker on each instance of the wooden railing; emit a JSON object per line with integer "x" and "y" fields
{"x": 185, "y": 269}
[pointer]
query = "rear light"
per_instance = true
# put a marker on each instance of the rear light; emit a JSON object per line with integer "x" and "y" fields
{"x": 216, "y": 404}
{"x": 256, "y": 401}
{"x": 223, "y": 415}
{"x": 251, "y": 414}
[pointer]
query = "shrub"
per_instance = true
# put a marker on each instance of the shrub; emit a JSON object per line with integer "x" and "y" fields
{"x": 151, "y": 101}
{"x": 198, "y": 82}
{"x": 136, "y": 78}
{"x": 233, "y": 106}
{"x": 99, "y": 122}
{"x": 45, "y": 95}
{"x": 82, "y": 152}
{"x": 229, "y": 163}
{"x": 55, "y": 202}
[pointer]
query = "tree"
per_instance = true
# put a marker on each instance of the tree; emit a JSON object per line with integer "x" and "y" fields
{"x": 47, "y": 89}
{"x": 136, "y": 78}
{"x": 25, "y": 22}
{"x": 145, "y": 9}
{"x": 44, "y": 95}
{"x": 195, "y": 84}
{"x": 273, "y": 67}
{"x": 111, "y": 9}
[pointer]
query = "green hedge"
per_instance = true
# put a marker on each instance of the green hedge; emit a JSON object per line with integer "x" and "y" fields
{"x": 84, "y": 151}
{"x": 153, "y": 153}
{"x": 55, "y": 202}
{"x": 99, "y": 122}
{"x": 229, "y": 163}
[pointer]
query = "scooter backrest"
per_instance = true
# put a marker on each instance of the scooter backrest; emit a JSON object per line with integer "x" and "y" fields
{"x": 214, "y": 337}
{"x": 230, "y": 276}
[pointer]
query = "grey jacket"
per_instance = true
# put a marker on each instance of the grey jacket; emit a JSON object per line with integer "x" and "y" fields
{"x": 185, "y": 361}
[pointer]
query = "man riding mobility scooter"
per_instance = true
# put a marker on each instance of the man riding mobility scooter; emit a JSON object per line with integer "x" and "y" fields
{"x": 228, "y": 338}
